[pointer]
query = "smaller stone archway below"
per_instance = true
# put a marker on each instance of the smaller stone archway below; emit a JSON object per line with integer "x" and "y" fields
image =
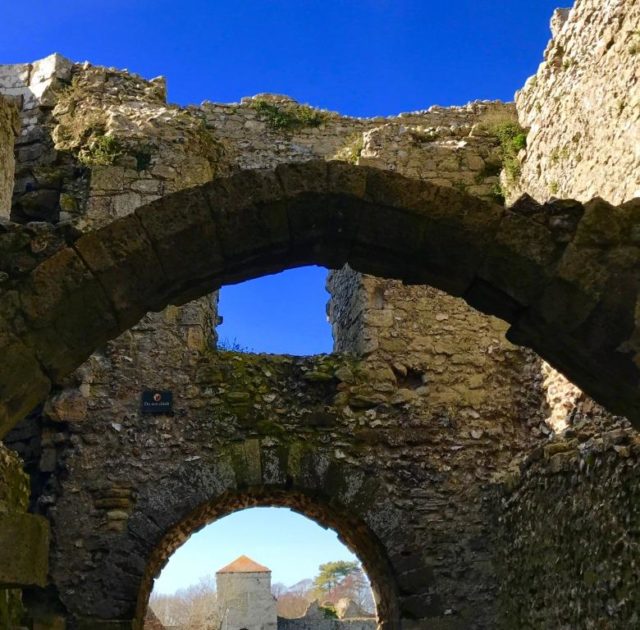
{"x": 252, "y": 473}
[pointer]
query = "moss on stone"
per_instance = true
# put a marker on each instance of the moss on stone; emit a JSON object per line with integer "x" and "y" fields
{"x": 288, "y": 116}
{"x": 101, "y": 150}
{"x": 11, "y": 609}
{"x": 352, "y": 150}
{"x": 513, "y": 138}
{"x": 14, "y": 483}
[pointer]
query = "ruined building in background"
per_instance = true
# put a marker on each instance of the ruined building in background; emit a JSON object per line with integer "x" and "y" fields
{"x": 244, "y": 596}
{"x": 245, "y": 602}
{"x": 474, "y": 482}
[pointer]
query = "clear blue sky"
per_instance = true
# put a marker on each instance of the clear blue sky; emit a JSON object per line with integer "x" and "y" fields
{"x": 364, "y": 58}
{"x": 291, "y": 545}
{"x": 361, "y": 58}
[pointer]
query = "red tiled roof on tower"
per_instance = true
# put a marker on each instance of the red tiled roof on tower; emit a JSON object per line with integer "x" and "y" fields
{"x": 244, "y": 564}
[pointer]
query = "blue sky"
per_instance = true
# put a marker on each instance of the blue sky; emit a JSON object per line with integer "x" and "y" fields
{"x": 363, "y": 58}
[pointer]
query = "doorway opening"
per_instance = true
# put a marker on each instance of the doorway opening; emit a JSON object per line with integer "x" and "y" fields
{"x": 268, "y": 565}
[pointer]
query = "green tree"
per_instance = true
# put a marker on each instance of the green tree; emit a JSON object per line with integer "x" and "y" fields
{"x": 332, "y": 574}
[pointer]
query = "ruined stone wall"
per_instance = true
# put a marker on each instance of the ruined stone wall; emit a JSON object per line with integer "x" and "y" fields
{"x": 582, "y": 107}
{"x": 8, "y": 131}
{"x": 96, "y": 143}
{"x": 316, "y": 618}
{"x": 582, "y": 113}
{"x": 439, "y": 404}
{"x": 332, "y": 437}
{"x": 569, "y": 533}
{"x": 571, "y": 503}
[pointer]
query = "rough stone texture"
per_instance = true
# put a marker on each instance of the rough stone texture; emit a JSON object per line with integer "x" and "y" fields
{"x": 564, "y": 274}
{"x": 582, "y": 107}
{"x": 404, "y": 482}
{"x": 97, "y": 143}
{"x": 14, "y": 499}
{"x": 573, "y": 505}
{"x": 479, "y": 433}
{"x": 315, "y": 618}
{"x": 24, "y": 548}
{"x": 478, "y": 426}
{"x": 14, "y": 491}
{"x": 8, "y": 131}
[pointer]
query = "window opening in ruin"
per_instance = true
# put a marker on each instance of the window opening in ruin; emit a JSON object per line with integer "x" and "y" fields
{"x": 259, "y": 564}
{"x": 284, "y": 313}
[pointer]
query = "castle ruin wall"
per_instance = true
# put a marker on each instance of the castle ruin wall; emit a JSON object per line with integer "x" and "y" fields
{"x": 572, "y": 503}
{"x": 437, "y": 404}
{"x": 582, "y": 107}
{"x": 8, "y": 131}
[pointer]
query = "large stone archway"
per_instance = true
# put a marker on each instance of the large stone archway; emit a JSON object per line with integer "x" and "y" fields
{"x": 564, "y": 275}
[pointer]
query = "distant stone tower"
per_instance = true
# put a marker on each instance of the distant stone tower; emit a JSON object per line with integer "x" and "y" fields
{"x": 245, "y": 601}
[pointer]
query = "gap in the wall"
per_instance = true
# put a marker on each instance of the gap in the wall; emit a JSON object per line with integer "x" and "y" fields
{"x": 284, "y": 313}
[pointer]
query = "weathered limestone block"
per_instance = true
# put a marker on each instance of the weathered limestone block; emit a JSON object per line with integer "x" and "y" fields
{"x": 24, "y": 550}
{"x": 14, "y": 483}
{"x": 8, "y": 130}
{"x": 14, "y": 497}
{"x": 64, "y": 293}
{"x": 581, "y": 107}
{"x": 22, "y": 381}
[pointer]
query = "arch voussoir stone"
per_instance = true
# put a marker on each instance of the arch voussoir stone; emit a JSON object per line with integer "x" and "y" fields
{"x": 324, "y": 211}
{"x": 436, "y": 235}
{"x": 588, "y": 314}
{"x": 124, "y": 261}
{"x": 563, "y": 274}
{"x": 185, "y": 240}
{"x": 23, "y": 384}
{"x": 602, "y": 257}
{"x": 523, "y": 256}
{"x": 67, "y": 313}
{"x": 250, "y": 473}
{"x": 251, "y": 222}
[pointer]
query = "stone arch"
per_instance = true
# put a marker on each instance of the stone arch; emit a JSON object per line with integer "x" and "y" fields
{"x": 253, "y": 473}
{"x": 565, "y": 276}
